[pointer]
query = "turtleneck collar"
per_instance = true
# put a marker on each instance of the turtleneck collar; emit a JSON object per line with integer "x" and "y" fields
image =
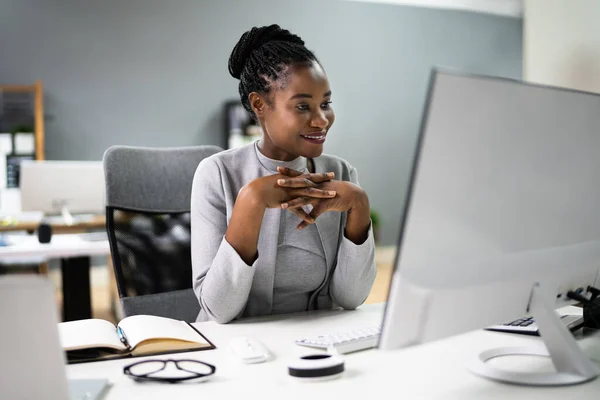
{"x": 299, "y": 164}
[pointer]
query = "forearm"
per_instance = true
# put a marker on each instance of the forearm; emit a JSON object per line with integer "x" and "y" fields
{"x": 359, "y": 220}
{"x": 354, "y": 274}
{"x": 244, "y": 227}
{"x": 223, "y": 285}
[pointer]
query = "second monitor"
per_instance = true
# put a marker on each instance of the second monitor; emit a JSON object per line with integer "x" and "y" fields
{"x": 56, "y": 187}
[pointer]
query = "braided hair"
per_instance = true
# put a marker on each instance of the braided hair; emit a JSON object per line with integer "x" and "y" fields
{"x": 262, "y": 57}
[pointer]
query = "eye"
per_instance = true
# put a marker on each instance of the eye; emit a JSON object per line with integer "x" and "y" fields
{"x": 302, "y": 107}
{"x": 326, "y": 105}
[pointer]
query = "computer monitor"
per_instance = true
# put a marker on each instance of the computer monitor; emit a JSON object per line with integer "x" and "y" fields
{"x": 32, "y": 361}
{"x": 56, "y": 187}
{"x": 502, "y": 218}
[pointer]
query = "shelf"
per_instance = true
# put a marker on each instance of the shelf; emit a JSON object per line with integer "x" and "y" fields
{"x": 38, "y": 111}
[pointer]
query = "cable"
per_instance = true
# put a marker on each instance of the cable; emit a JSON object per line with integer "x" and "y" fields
{"x": 577, "y": 296}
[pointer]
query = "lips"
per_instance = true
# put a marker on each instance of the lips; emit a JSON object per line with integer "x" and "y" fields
{"x": 315, "y": 137}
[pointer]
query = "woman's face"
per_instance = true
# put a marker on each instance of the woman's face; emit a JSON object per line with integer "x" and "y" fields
{"x": 296, "y": 114}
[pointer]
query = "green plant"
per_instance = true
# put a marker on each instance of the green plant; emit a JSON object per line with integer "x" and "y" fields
{"x": 376, "y": 224}
{"x": 21, "y": 128}
{"x": 375, "y": 219}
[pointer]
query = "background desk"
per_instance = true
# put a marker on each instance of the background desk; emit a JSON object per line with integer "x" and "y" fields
{"x": 96, "y": 222}
{"x": 433, "y": 371}
{"x": 75, "y": 253}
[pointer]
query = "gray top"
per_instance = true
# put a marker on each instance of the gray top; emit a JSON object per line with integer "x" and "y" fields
{"x": 300, "y": 263}
{"x": 228, "y": 288}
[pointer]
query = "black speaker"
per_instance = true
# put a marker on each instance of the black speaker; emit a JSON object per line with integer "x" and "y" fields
{"x": 44, "y": 233}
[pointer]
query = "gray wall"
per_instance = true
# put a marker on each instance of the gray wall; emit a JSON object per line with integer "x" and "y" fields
{"x": 154, "y": 73}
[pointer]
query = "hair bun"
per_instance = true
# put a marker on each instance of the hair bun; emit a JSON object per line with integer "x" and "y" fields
{"x": 252, "y": 40}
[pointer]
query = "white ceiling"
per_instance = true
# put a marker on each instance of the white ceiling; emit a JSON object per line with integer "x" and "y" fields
{"x": 509, "y": 8}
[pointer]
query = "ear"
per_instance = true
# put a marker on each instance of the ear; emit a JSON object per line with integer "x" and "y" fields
{"x": 257, "y": 103}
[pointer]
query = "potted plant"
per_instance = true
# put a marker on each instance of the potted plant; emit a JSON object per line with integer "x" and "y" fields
{"x": 23, "y": 139}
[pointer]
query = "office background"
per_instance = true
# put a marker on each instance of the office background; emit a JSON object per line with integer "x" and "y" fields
{"x": 154, "y": 73}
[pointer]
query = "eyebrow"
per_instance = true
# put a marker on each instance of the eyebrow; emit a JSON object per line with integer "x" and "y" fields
{"x": 307, "y": 96}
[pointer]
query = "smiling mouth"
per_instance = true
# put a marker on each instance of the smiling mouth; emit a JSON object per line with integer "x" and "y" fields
{"x": 314, "y": 138}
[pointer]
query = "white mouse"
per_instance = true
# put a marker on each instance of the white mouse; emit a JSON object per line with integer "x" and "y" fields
{"x": 248, "y": 350}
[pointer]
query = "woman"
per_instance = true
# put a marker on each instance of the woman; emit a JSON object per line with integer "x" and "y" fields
{"x": 278, "y": 227}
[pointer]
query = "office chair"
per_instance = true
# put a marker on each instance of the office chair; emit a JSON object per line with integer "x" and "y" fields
{"x": 148, "y": 224}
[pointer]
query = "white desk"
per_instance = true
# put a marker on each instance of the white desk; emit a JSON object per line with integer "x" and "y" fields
{"x": 432, "y": 371}
{"x": 75, "y": 253}
{"x": 61, "y": 246}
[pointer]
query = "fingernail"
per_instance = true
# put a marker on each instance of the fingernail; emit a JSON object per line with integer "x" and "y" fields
{"x": 330, "y": 174}
{"x": 300, "y": 227}
{"x": 281, "y": 181}
{"x": 284, "y": 205}
{"x": 331, "y": 193}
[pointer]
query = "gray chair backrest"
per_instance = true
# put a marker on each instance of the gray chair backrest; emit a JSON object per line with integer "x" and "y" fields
{"x": 152, "y": 179}
{"x": 147, "y": 212}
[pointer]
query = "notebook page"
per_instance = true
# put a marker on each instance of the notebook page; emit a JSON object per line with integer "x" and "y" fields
{"x": 138, "y": 328}
{"x": 89, "y": 333}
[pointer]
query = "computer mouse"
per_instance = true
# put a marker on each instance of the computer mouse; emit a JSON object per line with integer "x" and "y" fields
{"x": 248, "y": 350}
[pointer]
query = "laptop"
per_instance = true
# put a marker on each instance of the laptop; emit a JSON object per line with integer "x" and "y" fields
{"x": 32, "y": 362}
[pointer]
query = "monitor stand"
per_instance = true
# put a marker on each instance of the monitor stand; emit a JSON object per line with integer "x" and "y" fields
{"x": 571, "y": 364}
{"x": 67, "y": 216}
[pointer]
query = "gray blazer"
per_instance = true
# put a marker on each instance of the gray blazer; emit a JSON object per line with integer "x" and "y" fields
{"x": 227, "y": 287}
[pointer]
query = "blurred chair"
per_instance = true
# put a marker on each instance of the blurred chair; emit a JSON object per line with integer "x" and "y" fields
{"x": 148, "y": 223}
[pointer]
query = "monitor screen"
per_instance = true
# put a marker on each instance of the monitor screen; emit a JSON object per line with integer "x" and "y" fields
{"x": 50, "y": 186}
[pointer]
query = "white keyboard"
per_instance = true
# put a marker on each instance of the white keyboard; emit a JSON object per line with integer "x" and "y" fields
{"x": 344, "y": 342}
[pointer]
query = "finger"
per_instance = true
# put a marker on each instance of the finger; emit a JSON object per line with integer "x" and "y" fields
{"x": 317, "y": 210}
{"x": 301, "y": 225}
{"x": 297, "y": 203}
{"x": 307, "y": 219}
{"x": 317, "y": 178}
{"x": 288, "y": 171}
{"x": 314, "y": 193}
{"x": 321, "y": 177}
{"x": 299, "y": 182}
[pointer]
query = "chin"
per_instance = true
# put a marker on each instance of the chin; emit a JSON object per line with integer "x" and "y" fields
{"x": 313, "y": 153}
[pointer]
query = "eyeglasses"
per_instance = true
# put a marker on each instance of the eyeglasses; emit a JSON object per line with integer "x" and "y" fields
{"x": 163, "y": 371}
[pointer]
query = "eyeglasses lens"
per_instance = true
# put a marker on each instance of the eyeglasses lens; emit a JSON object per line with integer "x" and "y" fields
{"x": 145, "y": 368}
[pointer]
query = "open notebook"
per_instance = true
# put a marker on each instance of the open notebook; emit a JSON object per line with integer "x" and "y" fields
{"x": 138, "y": 335}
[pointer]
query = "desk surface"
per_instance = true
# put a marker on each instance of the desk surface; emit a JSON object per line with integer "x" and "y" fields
{"x": 431, "y": 371}
{"x": 63, "y": 245}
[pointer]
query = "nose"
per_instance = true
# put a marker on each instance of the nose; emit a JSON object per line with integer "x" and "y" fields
{"x": 319, "y": 120}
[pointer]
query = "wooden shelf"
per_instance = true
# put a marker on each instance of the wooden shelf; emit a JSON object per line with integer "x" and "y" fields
{"x": 37, "y": 90}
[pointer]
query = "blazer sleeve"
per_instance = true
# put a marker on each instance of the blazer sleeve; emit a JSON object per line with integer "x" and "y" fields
{"x": 355, "y": 271}
{"x": 220, "y": 278}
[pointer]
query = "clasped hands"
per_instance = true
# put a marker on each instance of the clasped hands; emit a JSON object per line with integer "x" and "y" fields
{"x": 291, "y": 190}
